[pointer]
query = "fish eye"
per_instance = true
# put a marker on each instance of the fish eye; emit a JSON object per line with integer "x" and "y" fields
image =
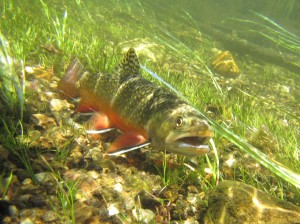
{"x": 179, "y": 122}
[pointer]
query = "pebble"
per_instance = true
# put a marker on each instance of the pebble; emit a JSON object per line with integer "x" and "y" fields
{"x": 129, "y": 203}
{"x": 27, "y": 221}
{"x": 58, "y": 105}
{"x": 49, "y": 216}
{"x": 112, "y": 210}
{"x": 29, "y": 70}
{"x": 143, "y": 215}
{"x": 43, "y": 121}
{"x": 118, "y": 187}
{"x": 192, "y": 198}
{"x": 191, "y": 221}
{"x": 193, "y": 189}
{"x": 95, "y": 154}
{"x": 27, "y": 181}
{"x": 43, "y": 177}
{"x": 94, "y": 174}
{"x": 13, "y": 211}
{"x": 83, "y": 213}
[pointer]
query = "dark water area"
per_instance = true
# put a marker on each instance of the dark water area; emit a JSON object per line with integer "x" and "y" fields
{"x": 285, "y": 13}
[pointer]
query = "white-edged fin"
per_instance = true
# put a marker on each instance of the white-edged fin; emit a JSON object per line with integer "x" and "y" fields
{"x": 99, "y": 131}
{"x": 122, "y": 151}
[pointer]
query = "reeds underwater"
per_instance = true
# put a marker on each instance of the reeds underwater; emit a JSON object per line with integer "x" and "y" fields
{"x": 255, "y": 114}
{"x": 12, "y": 82}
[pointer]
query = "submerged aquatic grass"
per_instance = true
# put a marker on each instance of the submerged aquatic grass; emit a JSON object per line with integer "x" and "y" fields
{"x": 13, "y": 141}
{"x": 66, "y": 196}
{"x": 12, "y": 79}
{"x": 4, "y": 185}
{"x": 95, "y": 40}
{"x": 66, "y": 193}
{"x": 273, "y": 31}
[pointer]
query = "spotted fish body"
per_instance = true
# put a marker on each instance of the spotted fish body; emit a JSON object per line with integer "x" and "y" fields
{"x": 144, "y": 111}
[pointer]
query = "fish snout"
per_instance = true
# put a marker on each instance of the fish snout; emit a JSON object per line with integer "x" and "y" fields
{"x": 200, "y": 124}
{"x": 203, "y": 127}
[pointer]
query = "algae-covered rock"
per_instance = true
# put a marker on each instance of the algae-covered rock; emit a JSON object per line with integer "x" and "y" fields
{"x": 236, "y": 202}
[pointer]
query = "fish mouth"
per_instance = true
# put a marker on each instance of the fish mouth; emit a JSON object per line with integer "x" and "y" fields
{"x": 193, "y": 145}
{"x": 192, "y": 140}
{"x": 190, "y": 145}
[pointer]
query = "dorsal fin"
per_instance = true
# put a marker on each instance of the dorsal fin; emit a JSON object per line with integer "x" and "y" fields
{"x": 129, "y": 65}
{"x": 67, "y": 85}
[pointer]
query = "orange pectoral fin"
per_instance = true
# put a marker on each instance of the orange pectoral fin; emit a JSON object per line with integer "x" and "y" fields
{"x": 100, "y": 121}
{"x": 84, "y": 106}
{"x": 127, "y": 141}
{"x": 99, "y": 124}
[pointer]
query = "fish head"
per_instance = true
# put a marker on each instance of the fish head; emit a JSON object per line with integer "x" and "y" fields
{"x": 181, "y": 130}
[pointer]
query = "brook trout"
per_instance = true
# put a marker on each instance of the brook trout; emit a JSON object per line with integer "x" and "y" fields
{"x": 145, "y": 112}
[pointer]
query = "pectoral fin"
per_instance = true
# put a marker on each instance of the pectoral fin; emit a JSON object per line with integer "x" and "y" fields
{"x": 99, "y": 123}
{"x": 85, "y": 106}
{"x": 126, "y": 142}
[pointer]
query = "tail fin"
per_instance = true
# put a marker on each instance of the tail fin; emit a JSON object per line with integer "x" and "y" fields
{"x": 129, "y": 65}
{"x": 67, "y": 84}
